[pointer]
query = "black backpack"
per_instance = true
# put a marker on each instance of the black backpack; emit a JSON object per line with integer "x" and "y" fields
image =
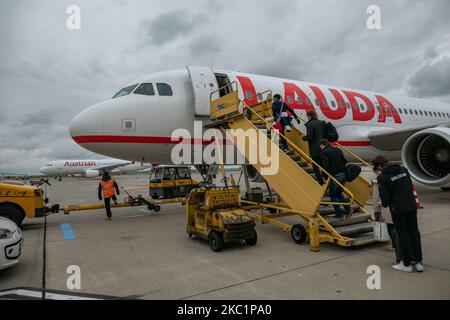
{"x": 352, "y": 171}
{"x": 329, "y": 132}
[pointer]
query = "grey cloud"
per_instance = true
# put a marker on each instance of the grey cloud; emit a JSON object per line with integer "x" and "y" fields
{"x": 168, "y": 26}
{"x": 204, "y": 46}
{"x": 43, "y": 117}
{"x": 49, "y": 74}
{"x": 432, "y": 80}
{"x": 281, "y": 64}
{"x": 431, "y": 53}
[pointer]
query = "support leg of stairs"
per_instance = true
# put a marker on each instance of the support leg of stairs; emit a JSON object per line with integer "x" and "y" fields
{"x": 314, "y": 237}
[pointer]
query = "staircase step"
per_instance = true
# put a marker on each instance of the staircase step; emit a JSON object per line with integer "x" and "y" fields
{"x": 357, "y": 217}
{"x": 328, "y": 210}
{"x": 355, "y": 229}
{"x": 364, "y": 239}
{"x": 302, "y": 163}
{"x": 308, "y": 169}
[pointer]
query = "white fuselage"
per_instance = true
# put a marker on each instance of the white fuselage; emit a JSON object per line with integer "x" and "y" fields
{"x": 81, "y": 167}
{"x": 100, "y": 128}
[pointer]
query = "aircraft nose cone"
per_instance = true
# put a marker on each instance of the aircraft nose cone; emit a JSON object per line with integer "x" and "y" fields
{"x": 86, "y": 125}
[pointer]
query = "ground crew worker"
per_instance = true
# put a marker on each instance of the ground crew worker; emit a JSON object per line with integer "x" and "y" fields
{"x": 280, "y": 115}
{"x": 334, "y": 163}
{"x": 314, "y": 132}
{"x": 108, "y": 189}
{"x": 396, "y": 192}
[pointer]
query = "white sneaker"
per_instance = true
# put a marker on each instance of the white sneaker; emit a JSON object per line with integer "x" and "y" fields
{"x": 402, "y": 267}
{"x": 419, "y": 267}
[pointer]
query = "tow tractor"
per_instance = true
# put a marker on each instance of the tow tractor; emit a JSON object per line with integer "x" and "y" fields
{"x": 215, "y": 214}
{"x": 19, "y": 201}
{"x": 168, "y": 182}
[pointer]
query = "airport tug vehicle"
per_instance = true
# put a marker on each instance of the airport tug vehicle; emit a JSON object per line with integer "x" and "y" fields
{"x": 215, "y": 214}
{"x": 169, "y": 182}
{"x": 20, "y": 201}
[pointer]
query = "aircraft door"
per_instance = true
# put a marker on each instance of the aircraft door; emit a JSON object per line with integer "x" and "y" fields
{"x": 203, "y": 82}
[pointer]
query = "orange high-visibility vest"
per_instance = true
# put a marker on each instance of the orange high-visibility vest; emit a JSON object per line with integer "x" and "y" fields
{"x": 108, "y": 188}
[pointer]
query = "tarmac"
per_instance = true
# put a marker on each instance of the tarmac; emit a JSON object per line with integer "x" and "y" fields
{"x": 147, "y": 255}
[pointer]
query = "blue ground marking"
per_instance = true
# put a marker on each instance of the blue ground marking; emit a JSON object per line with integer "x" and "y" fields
{"x": 67, "y": 231}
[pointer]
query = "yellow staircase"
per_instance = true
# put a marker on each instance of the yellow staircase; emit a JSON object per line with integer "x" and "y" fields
{"x": 299, "y": 193}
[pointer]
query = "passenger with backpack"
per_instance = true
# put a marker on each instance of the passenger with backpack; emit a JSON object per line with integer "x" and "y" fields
{"x": 315, "y": 130}
{"x": 335, "y": 164}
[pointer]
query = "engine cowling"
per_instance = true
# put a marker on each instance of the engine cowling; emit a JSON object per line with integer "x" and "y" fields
{"x": 92, "y": 173}
{"x": 426, "y": 155}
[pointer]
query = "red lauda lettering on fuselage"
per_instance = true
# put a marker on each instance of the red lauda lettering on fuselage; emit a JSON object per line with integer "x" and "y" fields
{"x": 296, "y": 98}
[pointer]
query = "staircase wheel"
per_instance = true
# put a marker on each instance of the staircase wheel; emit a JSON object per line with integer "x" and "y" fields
{"x": 298, "y": 233}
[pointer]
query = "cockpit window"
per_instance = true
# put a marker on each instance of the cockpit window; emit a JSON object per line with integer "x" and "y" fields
{"x": 164, "y": 89}
{"x": 145, "y": 89}
{"x": 125, "y": 91}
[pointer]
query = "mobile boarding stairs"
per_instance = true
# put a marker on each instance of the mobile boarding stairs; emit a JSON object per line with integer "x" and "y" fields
{"x": 298, "y": 191}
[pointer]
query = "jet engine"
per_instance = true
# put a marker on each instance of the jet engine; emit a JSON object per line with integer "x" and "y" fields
{"x": 426, "y": 154}
{"x": 92, "y": 173}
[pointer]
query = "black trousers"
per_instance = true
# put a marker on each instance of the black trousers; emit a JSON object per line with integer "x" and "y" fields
{"x": 408, "y": 236}
{"x": 108, "y": 205}
{"x": 318, "y": 160}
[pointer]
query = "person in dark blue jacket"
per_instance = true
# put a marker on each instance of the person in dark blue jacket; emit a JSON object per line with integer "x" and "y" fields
{"x": 280, "y": 114}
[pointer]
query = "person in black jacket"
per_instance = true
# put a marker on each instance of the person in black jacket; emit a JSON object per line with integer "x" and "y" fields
{"x": 396, "y": 192}
{"x": 314, "y": 133}
{"x": 280, "y": 114}
{"x": 334, "y": 162}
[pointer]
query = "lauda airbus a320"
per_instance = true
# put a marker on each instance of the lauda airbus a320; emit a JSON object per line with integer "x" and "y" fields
{"x": 138, "y": 122}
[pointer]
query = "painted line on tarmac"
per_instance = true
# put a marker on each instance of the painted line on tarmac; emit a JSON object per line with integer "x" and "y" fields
{"x": 67, "y": 231}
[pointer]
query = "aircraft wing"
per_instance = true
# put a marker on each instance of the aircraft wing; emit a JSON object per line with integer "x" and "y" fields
{"x": 392, "y": 140}
{"x": 109, "y": 168}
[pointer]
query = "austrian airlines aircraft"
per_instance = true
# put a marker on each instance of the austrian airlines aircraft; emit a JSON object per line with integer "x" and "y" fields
{"x": 92, "y": 168}
{"x": 137, "y": 123}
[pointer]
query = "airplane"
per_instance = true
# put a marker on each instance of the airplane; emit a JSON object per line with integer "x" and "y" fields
{"x": 92, "y": 168}
{"x": 136, "y": 123}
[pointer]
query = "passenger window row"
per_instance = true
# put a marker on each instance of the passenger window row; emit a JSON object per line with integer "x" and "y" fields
{"x": 424, "y": 113}
{"x": 146, "y": 89}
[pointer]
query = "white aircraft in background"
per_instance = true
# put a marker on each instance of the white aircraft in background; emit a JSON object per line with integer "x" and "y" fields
{"x": 137, "y": 123}
{"x": 92, "y": 168}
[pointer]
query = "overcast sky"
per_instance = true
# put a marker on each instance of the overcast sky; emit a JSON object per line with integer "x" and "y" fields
{"x": 48, "y": 73}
